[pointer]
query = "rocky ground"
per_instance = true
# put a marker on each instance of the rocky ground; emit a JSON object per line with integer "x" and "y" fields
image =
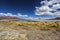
{"x": 29, "y": 30}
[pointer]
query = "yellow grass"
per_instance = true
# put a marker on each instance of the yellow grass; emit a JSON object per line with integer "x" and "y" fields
{"x": 22, "y": 29}
{"x": 32, "y": 24}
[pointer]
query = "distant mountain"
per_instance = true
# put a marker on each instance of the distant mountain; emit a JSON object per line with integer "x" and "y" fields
{"x": 9, "y": 18}
{"x": 13, "y": 18}
{"x": 57, "y": 18}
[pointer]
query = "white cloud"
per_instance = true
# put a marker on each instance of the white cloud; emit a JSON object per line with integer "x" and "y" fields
{"x": 19, "y": 14}
{"x": 47, "y": 3}
{"x": 57, "y": 14}
{"x": 2, "y": 14}
{"x": 46, "y": 10}
{"x": 43, "y": 10}
{"x": 10, "y": 14}
{"x": 57, "y": 6}
{"x": 56, "y": 1}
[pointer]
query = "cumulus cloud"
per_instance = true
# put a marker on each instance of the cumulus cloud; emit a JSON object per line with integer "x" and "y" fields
{"x": 57, "y": 6}
{"x": 2, "y": 14}
{"x": 19, "y": 14}
{"x": 46, "y": 10}
{"x": 43, "y": 10}
{"x": 10, "y": 14}
{"x": 56, "y": 1}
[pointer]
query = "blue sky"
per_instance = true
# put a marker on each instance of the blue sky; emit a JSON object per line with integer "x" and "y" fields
{"x": 19, "y": 6}
{"x": 30, "y": 8}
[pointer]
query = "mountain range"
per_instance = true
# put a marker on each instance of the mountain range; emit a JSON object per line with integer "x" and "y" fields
{"x": 9, "y": 18}
{"x": 13, "y": 18}
{"x": 57, "y": 18}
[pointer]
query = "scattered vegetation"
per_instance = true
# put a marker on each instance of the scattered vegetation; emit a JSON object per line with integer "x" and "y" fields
{"x": 29, "y": 30}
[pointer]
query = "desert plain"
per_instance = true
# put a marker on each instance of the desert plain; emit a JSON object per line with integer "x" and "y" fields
{"x": 29, "y": 30}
